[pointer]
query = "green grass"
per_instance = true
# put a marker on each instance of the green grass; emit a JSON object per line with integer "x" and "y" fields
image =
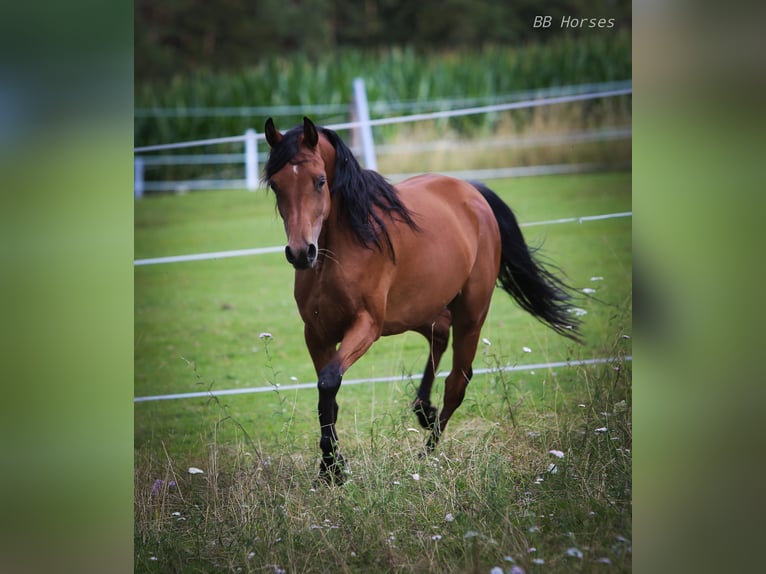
{"x": 197, "y": 327}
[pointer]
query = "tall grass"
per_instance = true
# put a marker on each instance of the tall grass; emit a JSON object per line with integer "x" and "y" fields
{"x": 393, "y": 75}
{"x": 545, "y": 489}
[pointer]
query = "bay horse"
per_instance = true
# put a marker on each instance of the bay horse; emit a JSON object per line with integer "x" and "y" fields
{"x": 372, "y": 259}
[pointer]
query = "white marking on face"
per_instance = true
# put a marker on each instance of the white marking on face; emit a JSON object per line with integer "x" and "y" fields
{"x": 295, "y": 169}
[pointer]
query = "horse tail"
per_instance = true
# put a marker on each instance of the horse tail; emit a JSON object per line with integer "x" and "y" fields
{"x": 536, "y": 289}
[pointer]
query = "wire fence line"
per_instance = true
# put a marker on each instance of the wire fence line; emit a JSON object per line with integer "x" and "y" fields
{"x": 298, "y": 386}
{"x": 280, "y": 249}
{"x": 377, "y": 107}
{"x": 412, "y": 117}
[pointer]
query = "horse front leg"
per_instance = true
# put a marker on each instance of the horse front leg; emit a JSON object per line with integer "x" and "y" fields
{"x": 355, "y": 342}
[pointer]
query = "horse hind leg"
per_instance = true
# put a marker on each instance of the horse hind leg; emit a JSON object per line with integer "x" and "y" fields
{"x": 437, "y": 334}
{"x": 468, "y": 314}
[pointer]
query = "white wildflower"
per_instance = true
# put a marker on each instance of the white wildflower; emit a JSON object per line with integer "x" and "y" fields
{"x": 526, "y": 349}
{"x": 449, "y": 517}
{"x": 195, "y": 470}
{"x": 574, "y": 552}
{"x": 415, "y": 476}
{"x": 487, "y": 342}
{"x": 265, "y": 335}
{"x": 557, "y": 453}
{"x": 596, "y": 278}
{"x": 538, "y": 560}
{"x": 436, "y": 537}
{"x": 600, "y": 430}
{"x": 496, "y": 570}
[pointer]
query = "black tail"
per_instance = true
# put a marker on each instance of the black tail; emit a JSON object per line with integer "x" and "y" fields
{"x": 536, "y": 289}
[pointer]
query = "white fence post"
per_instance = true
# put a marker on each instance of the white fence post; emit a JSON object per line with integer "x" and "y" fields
{"x": 363, "y": 116}
{"x": 138, "y": 177}
{"x": 251, "y": 160}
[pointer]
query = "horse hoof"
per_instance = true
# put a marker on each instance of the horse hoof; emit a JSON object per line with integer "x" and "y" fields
{"x": 426, "y": 414}
{"x": 332, "y": 473}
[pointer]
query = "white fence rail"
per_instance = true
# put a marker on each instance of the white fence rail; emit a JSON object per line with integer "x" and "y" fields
{"x": 250, "y": 156}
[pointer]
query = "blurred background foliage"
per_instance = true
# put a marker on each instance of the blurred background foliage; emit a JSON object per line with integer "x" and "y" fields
{"x": 178, "y": 37}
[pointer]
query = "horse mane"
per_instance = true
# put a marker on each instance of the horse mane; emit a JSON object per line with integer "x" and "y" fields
{"x": 365, "y": 198}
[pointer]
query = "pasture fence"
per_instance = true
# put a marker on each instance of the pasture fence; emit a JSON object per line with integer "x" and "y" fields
{"x": 362, "y": 136}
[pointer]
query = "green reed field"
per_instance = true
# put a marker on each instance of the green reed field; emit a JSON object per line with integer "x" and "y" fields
{"x": 534, "y": 470}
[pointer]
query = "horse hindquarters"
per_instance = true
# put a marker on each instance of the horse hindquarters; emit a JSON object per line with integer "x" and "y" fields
{"x": 469, "y": 310}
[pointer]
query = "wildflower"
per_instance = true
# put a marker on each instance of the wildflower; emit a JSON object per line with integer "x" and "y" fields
{"x": 517, "y": 570}
{"x": 496, "y": 570}
{"x": 294, "y": 379}
{"x": 416, "y": 476}
{"x": 449, "y": 517}
{"x": 538, "y": 561}
{"x": 470, "y": 534}
{"x": 604, "y": 560}
{"x": 600, "y": 430}
{"x": 577, "y": 311}
{"x": 195, "y": 470}
{"x": 265, "y": 336}
{"x": 557, "y": 453}
{"x": 487, "y": 342}
{"x": 588, "y": 290}
{"x": 574, "y": 552}
{"x": 596, "y": 278}
{"x": 526, "y": 349}
{"x": 532, "y": 550}
{"x": 436, "y": 537}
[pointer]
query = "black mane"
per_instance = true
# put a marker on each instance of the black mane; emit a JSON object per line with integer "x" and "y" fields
{"x": 360, "y": 192}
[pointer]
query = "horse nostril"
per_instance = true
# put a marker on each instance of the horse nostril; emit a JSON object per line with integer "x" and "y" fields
{"x": 312, "y": 253}
{"x": 289, "y": 255}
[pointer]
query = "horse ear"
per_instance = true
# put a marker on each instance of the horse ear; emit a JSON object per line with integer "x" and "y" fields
{"x": 273, "y": 137}
{"x": 310, "y": 135}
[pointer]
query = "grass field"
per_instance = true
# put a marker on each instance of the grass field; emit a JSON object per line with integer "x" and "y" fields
{"x": 197, "y": 327}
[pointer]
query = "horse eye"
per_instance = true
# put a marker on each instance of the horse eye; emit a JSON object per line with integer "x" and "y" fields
{"x": 320, "y": 181}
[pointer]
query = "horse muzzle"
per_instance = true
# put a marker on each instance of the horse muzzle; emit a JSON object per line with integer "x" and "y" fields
{"x": 304, "y": 258}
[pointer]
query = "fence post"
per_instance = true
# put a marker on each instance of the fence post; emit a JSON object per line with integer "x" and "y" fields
{"x": 251, "y": 160}
{"x": 138, "y": 177}
{"x": 363, "y": 116}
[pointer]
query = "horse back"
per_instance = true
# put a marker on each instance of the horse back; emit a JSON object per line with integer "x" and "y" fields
{"x": 455, "y": 229}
